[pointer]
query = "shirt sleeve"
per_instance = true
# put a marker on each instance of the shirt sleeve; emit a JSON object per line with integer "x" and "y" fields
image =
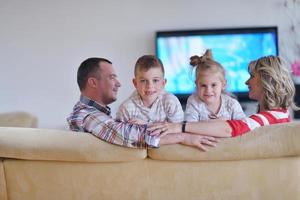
{"x": 239, "y": 127}
{"x": 119, "y": 133}
{"x": 122, "y": 114}
{"x": 191, "y": 113}
{"x": 237, "y": 111}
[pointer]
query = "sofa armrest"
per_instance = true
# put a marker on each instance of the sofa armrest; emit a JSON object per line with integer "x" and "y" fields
{"x": 18, "y": 119}
{"x": 280, "y": 140}
{"x": 58, "y": 145}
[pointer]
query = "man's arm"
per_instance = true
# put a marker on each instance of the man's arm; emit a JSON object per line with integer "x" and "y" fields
{"x": 120, "y": 133}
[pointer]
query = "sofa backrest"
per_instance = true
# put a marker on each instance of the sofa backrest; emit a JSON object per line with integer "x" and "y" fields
{"x": 280, "y": 140}
{"x": 274, "y": 141}
{"x": 58, "y": 145}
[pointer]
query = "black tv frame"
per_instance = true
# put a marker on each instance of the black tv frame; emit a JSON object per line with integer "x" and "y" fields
{"x": 242, "y": 96}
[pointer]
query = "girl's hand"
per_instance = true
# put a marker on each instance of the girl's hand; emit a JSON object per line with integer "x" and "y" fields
{"x": 163, "y": 128}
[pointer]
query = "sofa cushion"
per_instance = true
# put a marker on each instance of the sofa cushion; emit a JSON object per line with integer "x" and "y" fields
{"x": 266, "y": 142}
{"x": 58, "y": 145}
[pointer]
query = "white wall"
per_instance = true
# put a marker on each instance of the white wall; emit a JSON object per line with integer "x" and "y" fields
{"x": 42, "y": 43}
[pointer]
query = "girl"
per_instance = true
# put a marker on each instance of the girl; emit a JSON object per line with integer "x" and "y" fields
{"x": 210, "y": 101}
{"x": 270, "y": 84}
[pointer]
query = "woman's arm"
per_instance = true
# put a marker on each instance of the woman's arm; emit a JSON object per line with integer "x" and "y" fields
{"x": 198, "y": 141}
{"x": 216, "y": 128}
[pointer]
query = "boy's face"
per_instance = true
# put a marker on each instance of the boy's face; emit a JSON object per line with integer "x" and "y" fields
{"x": 149, "y": 84}
{"x": 209, "y": 87}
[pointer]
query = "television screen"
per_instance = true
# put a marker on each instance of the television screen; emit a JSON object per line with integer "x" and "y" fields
{"x": 233, "y": 48}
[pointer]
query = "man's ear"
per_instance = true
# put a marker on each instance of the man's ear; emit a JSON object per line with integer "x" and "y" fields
{"x": 92, "y": 82}
{"x": 134, "y": 81}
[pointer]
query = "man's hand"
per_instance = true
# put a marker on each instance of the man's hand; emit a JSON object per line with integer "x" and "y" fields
{"x": 163, "y": 128}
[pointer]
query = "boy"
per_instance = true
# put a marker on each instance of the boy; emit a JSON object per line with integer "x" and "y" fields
{"x": 150, "y": 102}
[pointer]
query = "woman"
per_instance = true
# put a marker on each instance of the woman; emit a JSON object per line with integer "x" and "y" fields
{"x": 269, "y": 83}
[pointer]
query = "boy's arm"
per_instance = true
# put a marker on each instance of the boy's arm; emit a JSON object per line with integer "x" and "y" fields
{"x": 126, "y": 112}
{"x": 122, "y": 114}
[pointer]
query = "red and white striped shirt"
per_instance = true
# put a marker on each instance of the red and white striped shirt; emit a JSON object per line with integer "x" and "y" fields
{"x": 265, "y": 118}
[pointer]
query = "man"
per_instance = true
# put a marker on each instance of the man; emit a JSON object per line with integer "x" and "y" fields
{"x": 99, "y": 86}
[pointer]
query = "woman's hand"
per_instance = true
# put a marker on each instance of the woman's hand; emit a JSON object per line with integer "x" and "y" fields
{"x": 199, "y": 141}
{"x": 163, "y": 128}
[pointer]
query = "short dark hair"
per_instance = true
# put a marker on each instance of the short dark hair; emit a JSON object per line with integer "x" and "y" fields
{"x": 88, "y": 68}
{"x": 147, "y": 62}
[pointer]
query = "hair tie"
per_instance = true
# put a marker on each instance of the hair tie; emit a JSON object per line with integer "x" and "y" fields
{"x": 194, "y": 60}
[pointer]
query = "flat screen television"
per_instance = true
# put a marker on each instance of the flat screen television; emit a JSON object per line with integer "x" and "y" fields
{"x": 233, "y": 48}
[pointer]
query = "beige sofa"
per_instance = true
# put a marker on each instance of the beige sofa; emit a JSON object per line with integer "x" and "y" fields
{"x": 51, "y": 164}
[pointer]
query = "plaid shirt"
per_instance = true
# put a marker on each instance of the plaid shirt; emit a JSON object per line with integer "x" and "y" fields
{"x": 165, "y": 108}
{"x": 196, "y": 109}
{"x": 89, "y": 116}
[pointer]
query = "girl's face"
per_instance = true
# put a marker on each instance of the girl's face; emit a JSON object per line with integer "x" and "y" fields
{"x": 149, "y": 84}
{"x": 209, "y": 87}
{"x": 255, "y": 86}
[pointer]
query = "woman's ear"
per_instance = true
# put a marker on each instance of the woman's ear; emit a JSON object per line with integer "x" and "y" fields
{"x": 224, "y": 84}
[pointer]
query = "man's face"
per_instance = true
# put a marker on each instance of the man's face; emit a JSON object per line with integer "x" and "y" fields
{"x": 108, "y": 84}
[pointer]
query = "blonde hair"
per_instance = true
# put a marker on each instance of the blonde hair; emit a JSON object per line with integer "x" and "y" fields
{"x": 207, "y": 63}
{"x": 277, "y": 84}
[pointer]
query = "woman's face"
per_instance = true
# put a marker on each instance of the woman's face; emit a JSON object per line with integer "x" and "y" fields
{"x": 255, "y": 86}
